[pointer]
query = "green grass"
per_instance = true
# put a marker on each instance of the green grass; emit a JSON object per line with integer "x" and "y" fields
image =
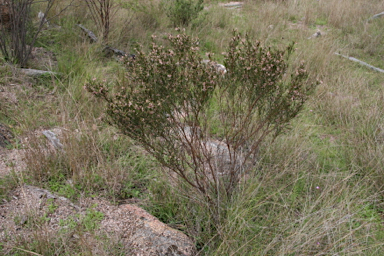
{"x": 7, "y": 184}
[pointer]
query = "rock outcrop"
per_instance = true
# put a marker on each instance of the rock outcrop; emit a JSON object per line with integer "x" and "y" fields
{"x": 135, "y": 230}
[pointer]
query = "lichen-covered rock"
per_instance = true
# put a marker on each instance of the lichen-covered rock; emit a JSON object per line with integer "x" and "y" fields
{"x": 152, "y": 237}
{"x": 141, "y": 233}
{"x": 128, "y": 227}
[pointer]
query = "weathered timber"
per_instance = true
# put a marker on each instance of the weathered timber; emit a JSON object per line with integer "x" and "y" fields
{"x": 108, "y": 50}
{"x": 361, "y": 62}
{"x": 232, "y": 5}
{"x": 36, "y": 72}
{"x": 89, "y": 33}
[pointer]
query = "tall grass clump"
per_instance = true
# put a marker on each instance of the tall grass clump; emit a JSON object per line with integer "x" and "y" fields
{"x": 171, "y": 101}
{"x": 89, "y": 163}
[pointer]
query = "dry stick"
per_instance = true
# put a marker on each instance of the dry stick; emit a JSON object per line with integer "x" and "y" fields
{"x": 361, "y": 62}
{"x": 30, "y": 252}
{"x": 90, "y": 34}
{"x": 376, "y": 16}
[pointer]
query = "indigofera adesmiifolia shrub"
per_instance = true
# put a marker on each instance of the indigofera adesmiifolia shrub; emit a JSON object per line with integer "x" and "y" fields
{"x": 170, "y": 99}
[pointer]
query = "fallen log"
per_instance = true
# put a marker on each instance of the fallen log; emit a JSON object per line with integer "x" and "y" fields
{"x": 232, "y": 5}
{"x": 89, "y": 33}
{"x": 108, "y": 50}
{"x": 36, "y": 72}
{"x": 361, "y": 62}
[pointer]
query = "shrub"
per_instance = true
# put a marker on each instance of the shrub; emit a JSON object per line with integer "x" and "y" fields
{"x": 182, "y": 12}
{"x": 18, "y": 34}
{"x": 171, "y": 99}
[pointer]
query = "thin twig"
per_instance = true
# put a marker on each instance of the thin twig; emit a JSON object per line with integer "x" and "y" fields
{"x": 33, "y": 253}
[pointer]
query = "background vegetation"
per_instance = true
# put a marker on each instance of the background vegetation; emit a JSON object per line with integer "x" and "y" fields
{"x": 316, "y": 190}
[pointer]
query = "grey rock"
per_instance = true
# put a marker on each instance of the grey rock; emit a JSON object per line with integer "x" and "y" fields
{"x": 53, "y": 139}
{"x": 135, "y": 230}
{"x": 221, "y": 69}
{"x": 223, "y": 158}
{"x": 317, "y": 34}
{"x": 43, "y": 193}
{"x": 152, "y": 237}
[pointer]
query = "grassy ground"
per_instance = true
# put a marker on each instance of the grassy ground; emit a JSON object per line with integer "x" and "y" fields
{"x": 318, "y": 187}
